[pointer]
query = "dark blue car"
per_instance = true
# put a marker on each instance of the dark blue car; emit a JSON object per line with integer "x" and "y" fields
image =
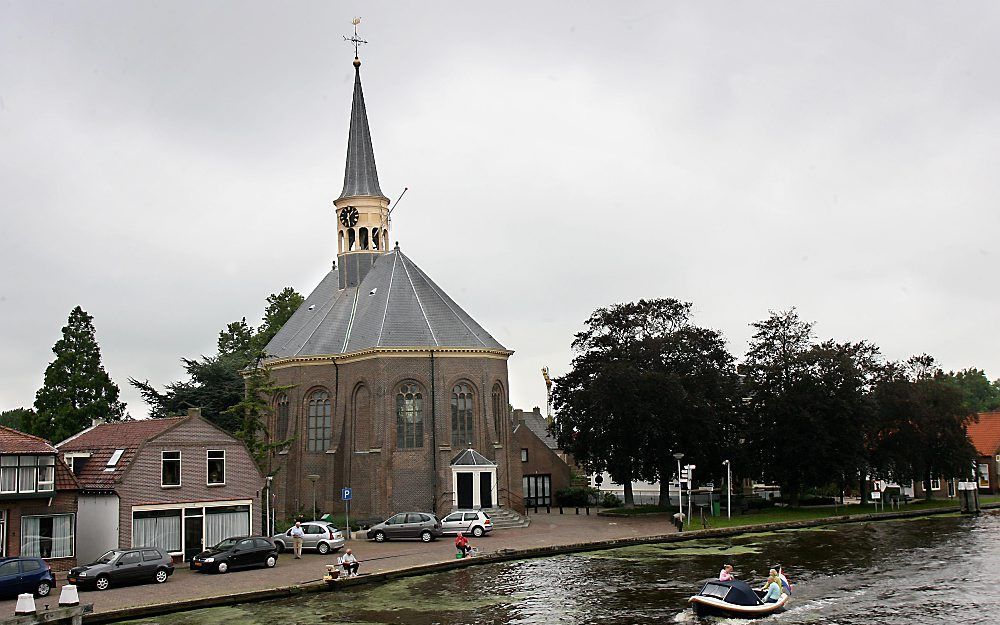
{"x": 19, "y": 575}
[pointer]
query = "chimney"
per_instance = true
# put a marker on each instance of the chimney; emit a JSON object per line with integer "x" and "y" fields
{"x": 194, "y": 412}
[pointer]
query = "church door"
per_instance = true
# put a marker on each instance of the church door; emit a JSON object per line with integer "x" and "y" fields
{"x": 464, "y": 489}
{"x": 486, "y": 490}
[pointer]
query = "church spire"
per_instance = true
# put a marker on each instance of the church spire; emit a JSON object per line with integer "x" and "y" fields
{"x": 360, "y": 175}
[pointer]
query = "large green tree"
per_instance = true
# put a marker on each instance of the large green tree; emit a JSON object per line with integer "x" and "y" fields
{"x": 215, "y": 383}
{"x": 979, "y": 393}
{"x": 922, "y": 420}
{"x": 645, "y": 382}
{"x": 77, "y": 390}
{"x": 807, "y": 404}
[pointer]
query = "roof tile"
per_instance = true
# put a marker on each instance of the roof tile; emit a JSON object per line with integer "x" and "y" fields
{"x": 985, "y": 433}
{"x": 101, "y": 441}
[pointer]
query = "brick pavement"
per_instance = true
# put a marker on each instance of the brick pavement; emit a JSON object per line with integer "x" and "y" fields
{"x": 545, "y": 530}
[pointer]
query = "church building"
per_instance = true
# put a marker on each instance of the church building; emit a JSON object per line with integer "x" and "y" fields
{"x": 396, "y": 391}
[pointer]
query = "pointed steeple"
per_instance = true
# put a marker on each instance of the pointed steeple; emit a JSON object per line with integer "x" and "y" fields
{"x": 360, "y": 175}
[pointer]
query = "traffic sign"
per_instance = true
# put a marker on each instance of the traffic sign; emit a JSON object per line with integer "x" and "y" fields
{"x": 345, "y": 494}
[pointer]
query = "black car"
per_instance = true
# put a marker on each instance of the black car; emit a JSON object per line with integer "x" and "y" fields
{"x": 124, "y": 566}
{"x": 233, "y": 553}
{"x": 19, "y": 575}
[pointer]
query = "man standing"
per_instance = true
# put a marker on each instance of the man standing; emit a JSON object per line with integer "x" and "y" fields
{"x": 297, "y": 536}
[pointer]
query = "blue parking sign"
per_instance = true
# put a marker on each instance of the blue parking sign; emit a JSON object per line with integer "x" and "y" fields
{"x": 345, "y": 494}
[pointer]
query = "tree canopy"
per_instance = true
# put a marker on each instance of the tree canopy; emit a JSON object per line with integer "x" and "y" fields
{"x": 215, "y": 383}
{"x": 645, "y": 382}
{"x": 77, "y": 390}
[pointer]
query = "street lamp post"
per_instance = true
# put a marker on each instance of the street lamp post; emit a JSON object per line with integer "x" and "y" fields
{"x": 729, "y": 489}
{"x": 680, "y": 487}
{"x": 313, "y": 478}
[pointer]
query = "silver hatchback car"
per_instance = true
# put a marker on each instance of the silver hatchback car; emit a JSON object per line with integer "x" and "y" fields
{"x": 475, "y": 522}
{"x": 319, "y": 535}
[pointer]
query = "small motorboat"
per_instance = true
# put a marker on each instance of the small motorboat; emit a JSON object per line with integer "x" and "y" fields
{"x": 734, "y": 599}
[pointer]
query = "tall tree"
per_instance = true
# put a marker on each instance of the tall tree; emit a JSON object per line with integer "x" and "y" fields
{"x": 807, "y": 406}
{"x": 922, "y": 424}
{"x": 77, "y": 390}
{"x": 979, "y": 393}
{"x": 645, "y": 382}
{"x": 215, "y": 383}
{"x": 251, "y": 415}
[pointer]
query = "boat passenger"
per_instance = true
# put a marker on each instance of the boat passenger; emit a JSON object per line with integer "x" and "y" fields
{"x": 726, "y": 574}
{"x": 773, "y": 588}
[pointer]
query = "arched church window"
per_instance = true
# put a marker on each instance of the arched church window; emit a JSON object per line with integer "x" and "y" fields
{"x": 340, "y": 243}
{"x": 281, "y": 410}
{"x": 319, "y": 425}
{"x": 499, "y": 408}
{"x": 385, "y": 237}
{"x": 409, "y": 416}
{"x": 461, "y": 416}
{"x": 363, "y": 235}
{"x": 375, "y": 239}
{"x": 350, "y": 239}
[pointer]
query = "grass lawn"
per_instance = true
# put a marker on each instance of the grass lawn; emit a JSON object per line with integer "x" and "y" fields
{"x": 778, "y": 515}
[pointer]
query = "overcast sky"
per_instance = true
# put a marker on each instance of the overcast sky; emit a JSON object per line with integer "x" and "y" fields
{"x": 167, "y": 165}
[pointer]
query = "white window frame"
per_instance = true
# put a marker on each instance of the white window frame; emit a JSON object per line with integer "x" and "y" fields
{"x": 935, "y": 483}
{"x": 207, "y": 473}
{"x": 979, "y": 474}
{"x": 524, "y": 454}
{"x": 72, "y": 525}
{"x": 3, "y": 533}
{"x": 38, "y": 476}
{"x": 180, "y": 466}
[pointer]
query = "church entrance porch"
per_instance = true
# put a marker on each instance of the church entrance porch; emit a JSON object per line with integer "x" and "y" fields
{"x": 474, "y": 481}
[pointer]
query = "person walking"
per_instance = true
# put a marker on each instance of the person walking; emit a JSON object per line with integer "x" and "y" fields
{"x": 298, "y": 535}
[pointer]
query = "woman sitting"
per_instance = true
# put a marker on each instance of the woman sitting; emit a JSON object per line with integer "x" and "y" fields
{"x": 772, "y": 588}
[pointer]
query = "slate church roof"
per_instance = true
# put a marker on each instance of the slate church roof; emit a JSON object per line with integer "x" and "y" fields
{"x": 396, "y": 305}
{"x": 360, "y": 175}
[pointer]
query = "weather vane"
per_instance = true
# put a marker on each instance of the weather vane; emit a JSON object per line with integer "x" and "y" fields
{"x": 357, "y": 41}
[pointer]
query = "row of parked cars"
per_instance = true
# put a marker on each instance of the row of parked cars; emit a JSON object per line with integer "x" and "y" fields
{"x": 149, "y": 564}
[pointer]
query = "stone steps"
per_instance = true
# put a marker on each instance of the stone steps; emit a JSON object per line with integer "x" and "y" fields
{"x": 505, "y": 518}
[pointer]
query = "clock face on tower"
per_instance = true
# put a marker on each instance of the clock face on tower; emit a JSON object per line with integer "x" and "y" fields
{"x": 349, "y": 216}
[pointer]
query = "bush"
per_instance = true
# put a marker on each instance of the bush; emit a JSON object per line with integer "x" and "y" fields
{"x": 758, "y": 503}
{"x": 578, "y": 496}
{"x": 610, "y": 500}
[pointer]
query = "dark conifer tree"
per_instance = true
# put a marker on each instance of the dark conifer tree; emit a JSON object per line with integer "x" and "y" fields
{"x": 77, "y": 389}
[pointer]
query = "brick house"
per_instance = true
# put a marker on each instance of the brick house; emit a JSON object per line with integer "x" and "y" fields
{"x": 38, "y": 496}
{"x": 545, "y": 469}
{"x": 390, "y": 380}
{"x": 179, "y": 483}
{"x": 984, "y": 433}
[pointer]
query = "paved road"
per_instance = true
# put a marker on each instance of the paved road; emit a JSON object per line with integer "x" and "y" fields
{"x": 545, "y": 530}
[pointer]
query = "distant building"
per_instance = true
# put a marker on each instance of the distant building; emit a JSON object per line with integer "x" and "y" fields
{"x": 38, "y": 501}
{"x": 985, "y": 437}
{"x": 545, "y": 469}
{"x": 180, "y": 484}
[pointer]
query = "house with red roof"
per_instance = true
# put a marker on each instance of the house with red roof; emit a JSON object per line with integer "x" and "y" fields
{"x": 985, "y": 436}
{"x": 180, "y": 483}
{"x": 38, "y": 501}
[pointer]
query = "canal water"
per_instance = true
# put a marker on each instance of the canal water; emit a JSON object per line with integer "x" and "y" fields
{"x": 929, "y": 570}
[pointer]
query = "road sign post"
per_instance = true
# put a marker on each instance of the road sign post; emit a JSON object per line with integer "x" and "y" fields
{"x": 345, "y": 495}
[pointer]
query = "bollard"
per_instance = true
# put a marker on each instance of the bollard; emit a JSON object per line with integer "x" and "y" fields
{"x": 69, "y": 596}
{"x": 25, "y": 604}
{"x": 548, "y": 509}
{"x": 560, "y": 509}
{"x": 578, "y": 511}
{"x": 588, "y": 510}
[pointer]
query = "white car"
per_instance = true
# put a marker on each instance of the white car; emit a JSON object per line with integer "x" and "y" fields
{"x": 475, "y": 522}
{"x": 319, "y": 535}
